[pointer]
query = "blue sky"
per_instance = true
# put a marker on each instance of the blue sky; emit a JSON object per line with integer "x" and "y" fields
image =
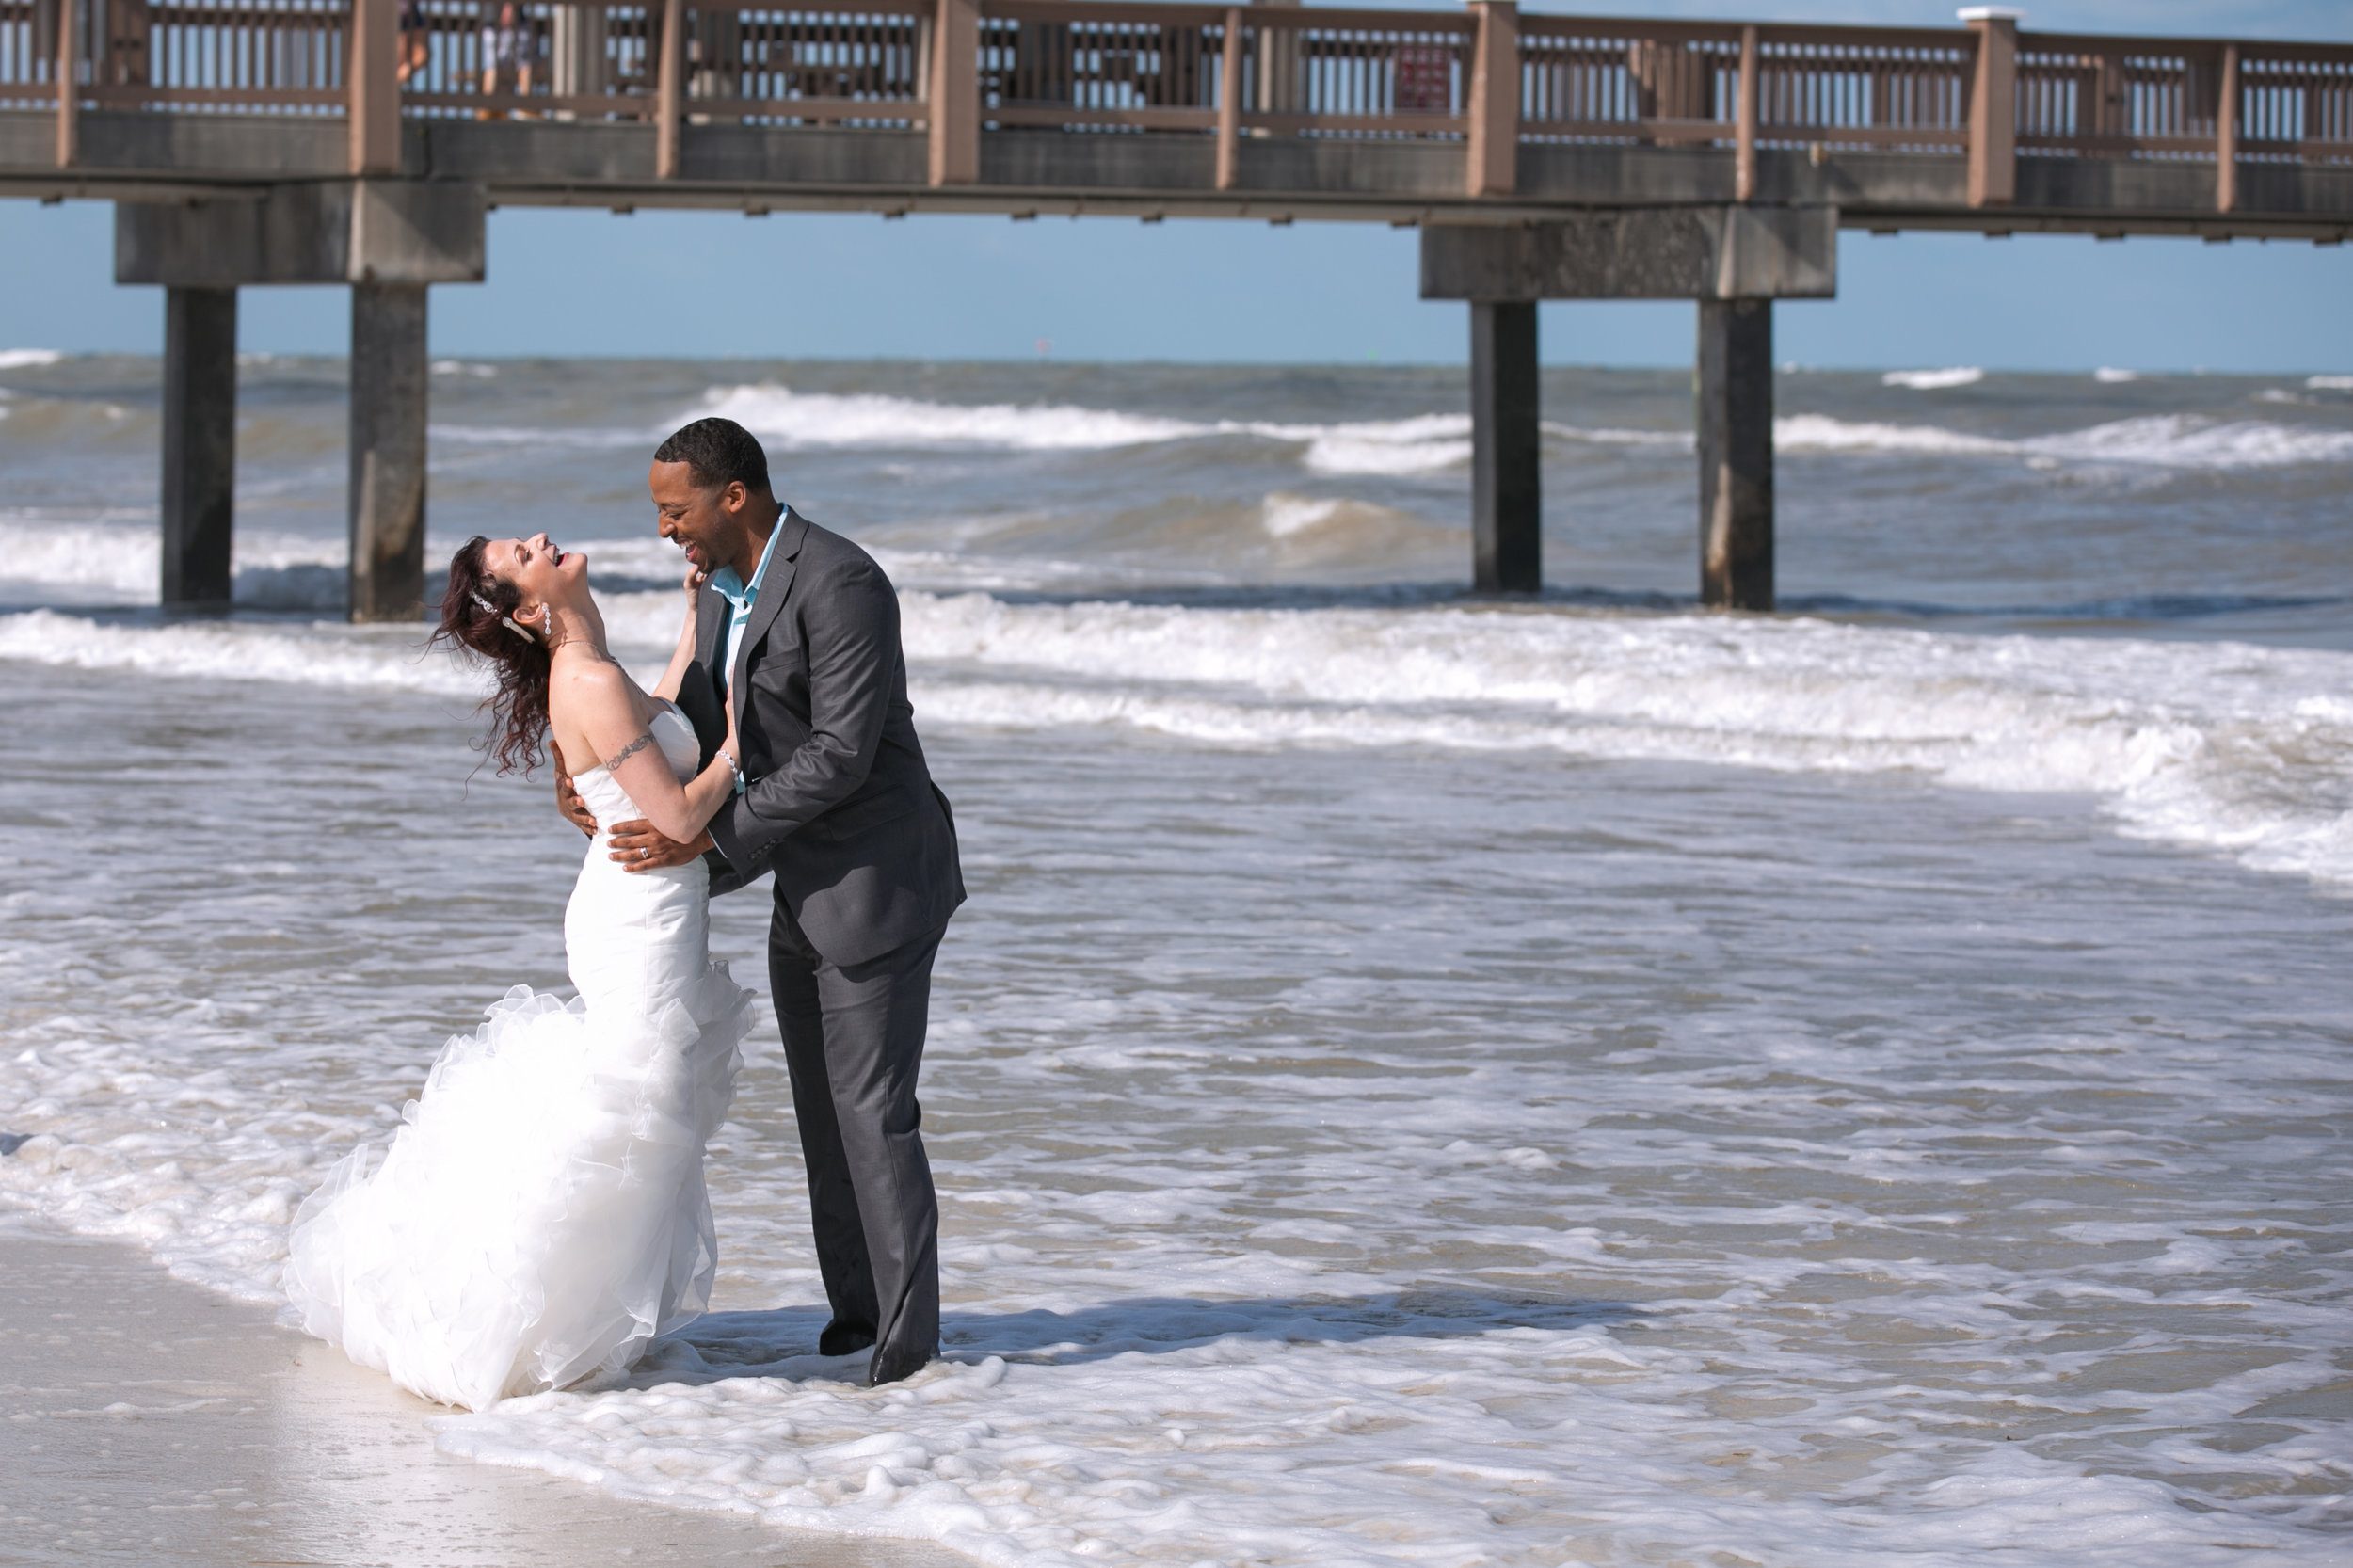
{"x": 856, "y": 286}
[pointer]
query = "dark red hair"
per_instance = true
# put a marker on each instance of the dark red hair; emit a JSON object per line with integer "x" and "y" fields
{"x": 478, "y": 613}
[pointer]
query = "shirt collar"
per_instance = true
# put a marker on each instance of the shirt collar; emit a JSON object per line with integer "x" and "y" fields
{"x": 732, "y": 587}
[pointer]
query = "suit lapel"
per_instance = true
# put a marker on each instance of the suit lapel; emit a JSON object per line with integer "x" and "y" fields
{"x": 791, "y": 530}
{"x": 711, "y": 617}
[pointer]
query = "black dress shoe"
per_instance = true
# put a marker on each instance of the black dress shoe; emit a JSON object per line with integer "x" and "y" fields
{"x": 839, "y": 1339}
{"x": 892, "y": 1365}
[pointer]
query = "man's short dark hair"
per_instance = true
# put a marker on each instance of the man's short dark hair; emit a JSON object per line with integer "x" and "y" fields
{"x": 718, "y": 452}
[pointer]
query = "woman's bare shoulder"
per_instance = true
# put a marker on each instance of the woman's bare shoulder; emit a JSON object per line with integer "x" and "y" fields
{"x": 587, "y": 685}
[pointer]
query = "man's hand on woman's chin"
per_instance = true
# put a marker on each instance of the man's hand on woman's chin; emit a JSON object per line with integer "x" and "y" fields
{"x": 640, "y": 846}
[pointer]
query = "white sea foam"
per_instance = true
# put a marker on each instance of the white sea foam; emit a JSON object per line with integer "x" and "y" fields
{"x": 1608, "y": 436}
{"x": 1933, "y": 380}
{"x": 2157, "y": 440}
{"x": 647, "y": 617}
{"x": 114, "y": 560}
{"x": 1309, "y": 1440}
{"x": 1821, "y": 433}
{"x": 2329, "y": 383}
{"x": 1434, "y": 442}
{"x": 28, "y": 358}
{"x": 2111, "y": 376}
{"x": 2221, "y": 746}
{"x": 569, "y": 438}
{"x": 1393, "y": 1162}
{"x": 1284, "y": 515}
{"x": 2187, "y": 440}
{"x": 2196, "y": 744}
{"x": 821, "y": 420}
{"x": 326, "y": 654}
{"x": 795, "y": 420}
{"x": 1422, "y": 445}
{"x": 118, "y": 561}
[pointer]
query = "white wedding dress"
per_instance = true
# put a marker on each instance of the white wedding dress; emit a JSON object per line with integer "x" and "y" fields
{"x": 541, "y": 1213}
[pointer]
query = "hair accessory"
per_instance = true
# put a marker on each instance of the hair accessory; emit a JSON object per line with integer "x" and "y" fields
{"x": 507, "y": 621}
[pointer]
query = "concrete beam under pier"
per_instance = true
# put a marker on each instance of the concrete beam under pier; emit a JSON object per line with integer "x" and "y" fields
{"x": 199, "y": 446}
{"x": 388, "y": 375}
{"x": 311, "y": 231}
{"x": 1639, "y": 253}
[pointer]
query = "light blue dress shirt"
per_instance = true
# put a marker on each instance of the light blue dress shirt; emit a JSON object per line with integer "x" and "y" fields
{"x": 741, "y": 596}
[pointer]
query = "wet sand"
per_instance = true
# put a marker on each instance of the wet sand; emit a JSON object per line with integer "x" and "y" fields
{"x": 152, "y": 1421}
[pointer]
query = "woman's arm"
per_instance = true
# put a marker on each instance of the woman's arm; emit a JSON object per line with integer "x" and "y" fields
{"x": 603, "y": 715}
{"x": 682, "y": 655}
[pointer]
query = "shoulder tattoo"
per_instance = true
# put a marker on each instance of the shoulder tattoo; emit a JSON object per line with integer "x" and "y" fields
{"x": 628, "y": 751}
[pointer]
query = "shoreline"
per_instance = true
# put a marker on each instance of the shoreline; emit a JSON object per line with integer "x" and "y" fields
{"x": 154, "y": 1420}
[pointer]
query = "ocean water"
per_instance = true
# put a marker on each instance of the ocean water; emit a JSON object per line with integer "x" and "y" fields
{"x": 1420, "y": 1080}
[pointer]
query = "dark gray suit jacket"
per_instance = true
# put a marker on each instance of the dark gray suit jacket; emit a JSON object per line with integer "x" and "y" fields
{"x": 837, "y": 802}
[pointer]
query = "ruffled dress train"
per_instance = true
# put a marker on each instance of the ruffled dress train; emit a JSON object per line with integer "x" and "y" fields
{"x": 540, "y": 1214}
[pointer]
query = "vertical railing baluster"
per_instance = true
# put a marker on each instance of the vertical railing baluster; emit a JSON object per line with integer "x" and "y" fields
{"x": 2226, "y": 135}
{"x": 1744, "y": 146}
{"x": 672, "y": 66}
{"x": 66, "y": 76}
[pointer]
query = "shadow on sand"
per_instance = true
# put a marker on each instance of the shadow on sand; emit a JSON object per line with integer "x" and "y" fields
{"x": 782, "y": 1343}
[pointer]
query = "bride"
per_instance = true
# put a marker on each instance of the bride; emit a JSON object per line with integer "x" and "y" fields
{"x": 540, "y": 1215}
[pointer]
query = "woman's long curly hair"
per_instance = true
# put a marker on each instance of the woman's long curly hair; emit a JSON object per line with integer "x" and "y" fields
{"x": 478, "y": 613}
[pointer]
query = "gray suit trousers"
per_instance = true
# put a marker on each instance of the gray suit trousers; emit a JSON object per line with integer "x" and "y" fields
{"x": 853, "y": 1044}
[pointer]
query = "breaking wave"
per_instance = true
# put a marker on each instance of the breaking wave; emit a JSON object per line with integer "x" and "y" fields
{"x": 2214, "y": 745}
{"x": 1432, "y": 443}
{"x": 1933, "y": 380}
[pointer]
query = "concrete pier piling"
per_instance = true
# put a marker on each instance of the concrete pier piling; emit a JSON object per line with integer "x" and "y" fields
{"x": 199, "y": 446}
{"x": 1733, "y": 386}
{"x": 1734, "y": 261}
{"x": 1507, "y": 469}
{"x": 388, "y": 418}
{"x": 386, "y": 240}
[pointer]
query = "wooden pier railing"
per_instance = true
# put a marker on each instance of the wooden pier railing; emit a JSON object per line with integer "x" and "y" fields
{"x": 1487, "y": 76}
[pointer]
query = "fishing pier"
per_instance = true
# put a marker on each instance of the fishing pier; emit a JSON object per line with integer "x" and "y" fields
{"x": 360, "y": 143}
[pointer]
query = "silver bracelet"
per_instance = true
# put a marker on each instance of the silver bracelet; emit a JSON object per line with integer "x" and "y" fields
{"x": 731, "y": 767}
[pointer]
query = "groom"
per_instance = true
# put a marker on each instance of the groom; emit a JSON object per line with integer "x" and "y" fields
{"x": 797, "y": 632}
